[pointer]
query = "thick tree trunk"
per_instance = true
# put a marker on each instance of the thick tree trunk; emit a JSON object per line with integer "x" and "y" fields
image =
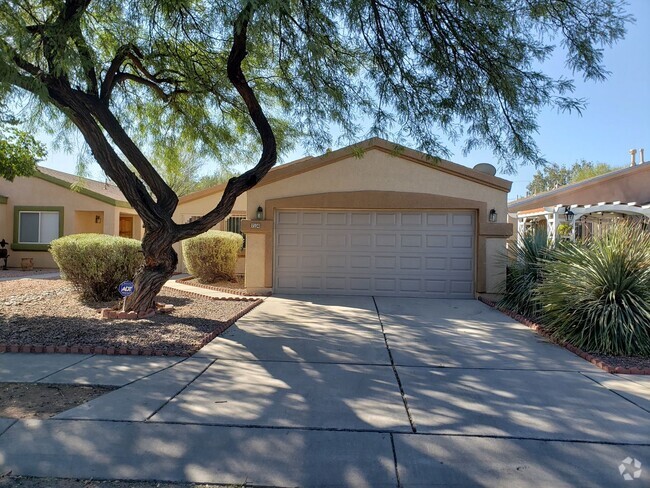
{"x": 160, "y": 262}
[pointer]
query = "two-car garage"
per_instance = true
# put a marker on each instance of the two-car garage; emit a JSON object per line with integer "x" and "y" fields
{"x": 410, "y": 253}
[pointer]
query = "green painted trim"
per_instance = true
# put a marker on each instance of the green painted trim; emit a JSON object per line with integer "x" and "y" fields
{"x": 82, "y": 190}
{"x": 30, "y": 247}
{"x": 3, "y": 199}
{"x": 18, "y": 246}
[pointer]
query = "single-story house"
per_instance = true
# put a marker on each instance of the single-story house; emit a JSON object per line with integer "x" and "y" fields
{"x": 372, "y": 218}
{"x": 38, "y": 209}
{"x": 587, "y": 206}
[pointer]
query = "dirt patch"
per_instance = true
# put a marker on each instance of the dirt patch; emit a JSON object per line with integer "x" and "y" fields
{"x": 42, "y": 401}
{"x": 27, "y": 482}
{"x": 50, "y": 312}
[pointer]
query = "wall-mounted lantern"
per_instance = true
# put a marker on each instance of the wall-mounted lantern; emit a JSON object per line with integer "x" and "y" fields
{"x": 260, "y": 213}
{"x": 493, "y": 216}
{"x": 568, "y": 214}
{"x": 98, "y": 219}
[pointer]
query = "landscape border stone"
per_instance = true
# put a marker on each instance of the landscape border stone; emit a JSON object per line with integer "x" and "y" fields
{"x": 608, "y": 368}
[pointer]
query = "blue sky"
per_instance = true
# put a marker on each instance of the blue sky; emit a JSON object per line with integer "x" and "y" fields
{"x": 616, "y": 120}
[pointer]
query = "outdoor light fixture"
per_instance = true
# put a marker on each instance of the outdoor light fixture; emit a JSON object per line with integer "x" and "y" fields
{"x": 493, "y": 216}
{"x": 98, "y": 219}
{"x": 568, "y": 214}
{"x": 260, "y": 213}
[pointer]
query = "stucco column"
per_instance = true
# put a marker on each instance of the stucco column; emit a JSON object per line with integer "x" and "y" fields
{"x": 259, "y": 255}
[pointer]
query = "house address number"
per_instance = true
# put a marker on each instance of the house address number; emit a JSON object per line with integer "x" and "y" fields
{"x": 256, "y": 225}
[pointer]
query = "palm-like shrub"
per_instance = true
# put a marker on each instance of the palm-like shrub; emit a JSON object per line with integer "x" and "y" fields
{"x": 212, "y": 256}
{"x": 596, "y": 294}
{"x": 96, "y": 263}
{"x": 524, "y": 273}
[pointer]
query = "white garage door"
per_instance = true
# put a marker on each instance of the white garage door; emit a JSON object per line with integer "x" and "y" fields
{"x": 426, "y": 253}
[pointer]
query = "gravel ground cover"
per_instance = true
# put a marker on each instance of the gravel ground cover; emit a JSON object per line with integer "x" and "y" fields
{"x": 49, "y": 312}
{"x": 235, "y": 287}
{"x": 624, "y": 361}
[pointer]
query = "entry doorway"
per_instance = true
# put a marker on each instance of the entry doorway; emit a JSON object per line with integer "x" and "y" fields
{"x": 126, "y": 226}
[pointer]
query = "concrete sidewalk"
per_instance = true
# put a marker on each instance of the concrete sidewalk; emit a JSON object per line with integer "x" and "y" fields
{"x": 344, "y": 391}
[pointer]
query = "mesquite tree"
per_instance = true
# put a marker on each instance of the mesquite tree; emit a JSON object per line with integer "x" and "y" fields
{"x": 224, "y": 77}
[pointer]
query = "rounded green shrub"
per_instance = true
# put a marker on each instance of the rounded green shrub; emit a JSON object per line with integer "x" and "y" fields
{"x": 212, "y": 256}
{"x": 96, "y": 263}
{"x": 596, "y": 294}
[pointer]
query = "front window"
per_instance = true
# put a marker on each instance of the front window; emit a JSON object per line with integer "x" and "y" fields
{"x": 38, "y": 227}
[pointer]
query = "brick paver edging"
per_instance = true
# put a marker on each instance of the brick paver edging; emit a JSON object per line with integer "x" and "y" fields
{"x": 222, "y": 289}
{"x": 575, "y": 350}
{"x": 115, "y": 351}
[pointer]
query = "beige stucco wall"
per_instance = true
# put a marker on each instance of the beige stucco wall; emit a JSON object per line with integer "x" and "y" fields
{"x": 200, "y": 206}
{"x": 495, "y": 269}
{"x": 35, "y": 192}
{"x": 378, "y": 171}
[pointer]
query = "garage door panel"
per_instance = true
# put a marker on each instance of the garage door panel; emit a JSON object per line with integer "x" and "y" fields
{"x": 287, "y": 218}
{"x": 358, "y": 219}
{"x": 389, "y": 219}
{"x": 360, "y": 262}
{"x": 312, "y": 218}
{"x": 424, "y": 253}
{"x": 312, "y": 240}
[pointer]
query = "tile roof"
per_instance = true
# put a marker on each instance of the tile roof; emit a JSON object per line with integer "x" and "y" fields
{"x": 102, "y": 188}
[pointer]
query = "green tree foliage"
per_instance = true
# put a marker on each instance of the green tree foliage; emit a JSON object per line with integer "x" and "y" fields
{"x": 19, "y": 153}
{"x": 230, "y": 78}
{"x": 553, "y": 175}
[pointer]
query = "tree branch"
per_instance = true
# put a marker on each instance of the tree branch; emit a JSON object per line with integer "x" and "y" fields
{"x": 109, "y": 78}
{"x": 237, "y": 186}
{"x": 166, "y": 199}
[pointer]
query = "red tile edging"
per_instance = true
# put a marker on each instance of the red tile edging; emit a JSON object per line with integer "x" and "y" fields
{"x": 570, "y": 347}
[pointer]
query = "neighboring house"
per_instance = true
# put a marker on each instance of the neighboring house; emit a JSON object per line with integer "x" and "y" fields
{"x": 588, "y": 206}
{"x": 38, "y": 209}
{"x": 390, "y": 221}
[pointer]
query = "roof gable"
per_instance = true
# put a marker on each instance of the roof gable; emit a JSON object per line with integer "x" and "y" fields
{"x": 104, "y": 192}
{"x": 306, "y": 164}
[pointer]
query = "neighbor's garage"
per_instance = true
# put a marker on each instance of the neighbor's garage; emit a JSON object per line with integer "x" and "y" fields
{"x": 376, "y": 219}
{"x": 396, "y": 253}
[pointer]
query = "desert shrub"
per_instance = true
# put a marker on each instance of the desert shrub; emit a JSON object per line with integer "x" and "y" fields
{"x": 96, "y": 263}
{"x": 524, "y": 261}
{"x": 596, "y": 294}
{"x": 212, "y": 256}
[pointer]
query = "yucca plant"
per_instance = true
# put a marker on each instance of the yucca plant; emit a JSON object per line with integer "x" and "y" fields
{"x": 524, "y": 272}
{"x": 596, "y": 295}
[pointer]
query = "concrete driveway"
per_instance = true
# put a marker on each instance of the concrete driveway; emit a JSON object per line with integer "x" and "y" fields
{"x": 354, "y": 391}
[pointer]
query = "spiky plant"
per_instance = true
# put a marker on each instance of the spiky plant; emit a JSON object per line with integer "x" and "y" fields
{"x": 596, "y": 295}
{"x": 524, "y": 272}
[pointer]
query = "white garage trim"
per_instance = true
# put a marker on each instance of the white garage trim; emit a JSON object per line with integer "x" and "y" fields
{"x": 364, "y": 252}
